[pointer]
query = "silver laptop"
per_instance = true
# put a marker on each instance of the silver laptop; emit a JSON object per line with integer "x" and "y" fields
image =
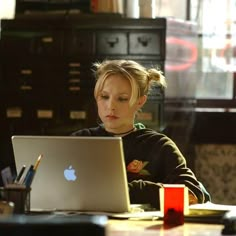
{"x": 75, "y": 173}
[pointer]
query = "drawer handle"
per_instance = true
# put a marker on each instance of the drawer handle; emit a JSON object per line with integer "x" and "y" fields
{"x": 112, "y": 41}
{"x": 144, "y": 41}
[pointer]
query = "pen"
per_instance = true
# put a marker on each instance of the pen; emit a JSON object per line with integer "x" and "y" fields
{"x": 31, "y": 172}
{"x": 18, "y": 177}
{"x": 29, "y": 176}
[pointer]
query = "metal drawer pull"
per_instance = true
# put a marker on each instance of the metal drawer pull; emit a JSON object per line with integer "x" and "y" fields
{"x": 144, "y": 41}
{"x": 112, "y": 41}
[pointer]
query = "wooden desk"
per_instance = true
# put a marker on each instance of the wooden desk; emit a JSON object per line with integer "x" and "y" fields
{"x": 149, "y": 228}
{"x": 79, "y": 224}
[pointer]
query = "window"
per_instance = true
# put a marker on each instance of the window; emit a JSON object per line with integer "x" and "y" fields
{"x": 217, "y": 31}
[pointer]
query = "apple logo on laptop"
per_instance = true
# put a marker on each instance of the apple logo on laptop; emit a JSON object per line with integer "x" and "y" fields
{"x": 69, "y": 174}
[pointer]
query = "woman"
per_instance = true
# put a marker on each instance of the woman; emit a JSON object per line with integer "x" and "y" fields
{"x": 152, "y": 159}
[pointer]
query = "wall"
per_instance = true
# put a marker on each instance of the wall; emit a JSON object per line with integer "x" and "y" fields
{"x": 216, "y": 168}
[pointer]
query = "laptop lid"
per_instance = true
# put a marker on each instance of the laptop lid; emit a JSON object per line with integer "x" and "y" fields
{"x": 75, "y": 173}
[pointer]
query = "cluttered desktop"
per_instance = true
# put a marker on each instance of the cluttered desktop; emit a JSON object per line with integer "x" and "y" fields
{"x": 175, "y": 216}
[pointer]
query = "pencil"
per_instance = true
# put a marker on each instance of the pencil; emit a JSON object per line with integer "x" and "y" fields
{"x": 37, "y": 162}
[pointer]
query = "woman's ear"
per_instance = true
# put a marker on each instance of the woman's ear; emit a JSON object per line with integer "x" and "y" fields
{"x": 141, "y": 101}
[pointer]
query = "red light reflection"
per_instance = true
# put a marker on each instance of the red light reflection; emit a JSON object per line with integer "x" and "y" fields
{"x": 186, "y": 45}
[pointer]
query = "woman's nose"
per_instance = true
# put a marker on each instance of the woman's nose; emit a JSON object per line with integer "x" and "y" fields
{"x": 111, "y": 104}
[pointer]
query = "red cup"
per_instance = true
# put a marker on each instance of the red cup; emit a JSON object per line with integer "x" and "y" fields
{"x": 173, "y": 203}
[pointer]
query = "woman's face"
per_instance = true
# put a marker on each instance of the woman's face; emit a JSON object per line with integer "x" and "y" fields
{"x": 113, "y": 105}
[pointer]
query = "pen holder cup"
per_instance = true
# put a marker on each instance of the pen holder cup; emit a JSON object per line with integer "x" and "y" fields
{"x": 20, "y": 196}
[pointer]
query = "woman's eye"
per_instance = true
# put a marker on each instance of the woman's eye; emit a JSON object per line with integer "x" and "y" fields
{"x": 104, "y": 97}
{"x": 123, "y": 99}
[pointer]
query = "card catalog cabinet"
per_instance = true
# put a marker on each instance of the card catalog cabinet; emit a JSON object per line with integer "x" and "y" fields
{"x": 45, "y": 68}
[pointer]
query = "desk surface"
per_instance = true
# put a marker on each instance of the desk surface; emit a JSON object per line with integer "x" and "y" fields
{"x": 137, "y": 228}
{"x": 101, "y": 224}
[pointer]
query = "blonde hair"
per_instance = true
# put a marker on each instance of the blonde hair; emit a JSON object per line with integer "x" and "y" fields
{"x": 141, "y": 79}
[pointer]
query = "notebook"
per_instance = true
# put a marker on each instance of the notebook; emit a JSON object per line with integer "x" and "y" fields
{"x": 75, "y": 173}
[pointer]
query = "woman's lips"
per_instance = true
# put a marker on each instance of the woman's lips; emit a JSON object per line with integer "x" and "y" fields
{"x": 112, "y": 117}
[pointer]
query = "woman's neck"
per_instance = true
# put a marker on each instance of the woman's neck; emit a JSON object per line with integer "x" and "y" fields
{"x": 123, "y": 133}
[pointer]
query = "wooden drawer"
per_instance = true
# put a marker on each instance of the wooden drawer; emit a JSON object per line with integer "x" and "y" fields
{"x": 111, "y": 43}
{"x": 145, "y": 43}
{"x": 28, "y": 42}
{"x": 78, "y": 43}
